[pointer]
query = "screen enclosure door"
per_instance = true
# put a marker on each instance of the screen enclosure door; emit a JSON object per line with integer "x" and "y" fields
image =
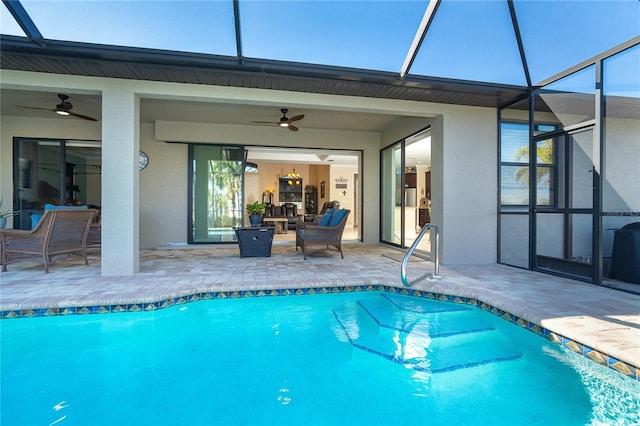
{"x": 564, "y": 220}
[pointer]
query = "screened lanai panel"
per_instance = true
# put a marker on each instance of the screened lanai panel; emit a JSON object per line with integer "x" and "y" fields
{"x": 621, "y": 177}
{"x": 8, "y": 25}
{"x": 514, "y": 186}
{"x": 580, "y": 174}
{"x": 514, "y": 239}
{"x": 360, "y": 34}
{"x": 471, "y": 40}
{"x": 190, "y": 26}
{"x": 566, "y": 102}
{"x": 560, "y": 34}
{"x": 564, "y": 243}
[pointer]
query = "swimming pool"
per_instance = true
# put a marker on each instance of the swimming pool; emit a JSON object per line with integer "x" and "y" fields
{"x": 337, "y": 359}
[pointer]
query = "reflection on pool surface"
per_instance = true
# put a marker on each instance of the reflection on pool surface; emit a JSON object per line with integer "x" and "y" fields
{"x": 338, "y": 359}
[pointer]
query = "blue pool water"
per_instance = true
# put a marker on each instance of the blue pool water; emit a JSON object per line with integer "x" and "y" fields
{"x": 363, "y": 358}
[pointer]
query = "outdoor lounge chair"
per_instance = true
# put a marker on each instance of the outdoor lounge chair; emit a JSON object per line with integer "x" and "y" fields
{"x": 94, "y": 238}
{"x": 60, "y": 233}
{"x": 325, "y": 233}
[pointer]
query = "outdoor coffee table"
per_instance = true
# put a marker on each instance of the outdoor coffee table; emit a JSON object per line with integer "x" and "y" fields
{"x": 255, "y": 241}
{"x": 279, "y": 222}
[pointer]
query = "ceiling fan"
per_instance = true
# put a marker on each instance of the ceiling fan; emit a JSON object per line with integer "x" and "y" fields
{"x": 63, "y": 108}
{"x": 284, "y": 121}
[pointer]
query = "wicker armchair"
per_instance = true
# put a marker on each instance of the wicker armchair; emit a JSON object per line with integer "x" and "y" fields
{"x": 323, "y": 237}
{"x": 60, "y": 233}
{"x": 94, "y": 238}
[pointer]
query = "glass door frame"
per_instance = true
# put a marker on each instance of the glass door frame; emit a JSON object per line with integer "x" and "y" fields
{"x": 30, "y": 175}
{"x": 398, "y": 186}
{"x": 401, "y": 188}
{"x": 238, "y": 212}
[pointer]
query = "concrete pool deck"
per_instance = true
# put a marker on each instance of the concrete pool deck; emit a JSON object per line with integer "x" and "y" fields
{"x": 599, "y": 318}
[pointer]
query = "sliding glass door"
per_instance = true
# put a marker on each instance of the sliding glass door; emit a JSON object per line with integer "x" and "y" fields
{"x": 391, "y": 194}
{"x": 54, "y": 171}
{"x": 406, "y": 191}
{"x": 215, "y": 203}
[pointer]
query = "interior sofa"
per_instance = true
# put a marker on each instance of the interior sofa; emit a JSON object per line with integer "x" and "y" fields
{"x": 326, "y": 207}
{"x": 287, "y": 210}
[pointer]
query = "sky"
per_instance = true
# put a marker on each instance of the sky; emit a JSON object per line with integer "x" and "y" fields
{"x": 471, "y": 40}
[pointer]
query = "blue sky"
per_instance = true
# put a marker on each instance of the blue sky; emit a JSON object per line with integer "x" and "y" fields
{"x": 471, "y": 40}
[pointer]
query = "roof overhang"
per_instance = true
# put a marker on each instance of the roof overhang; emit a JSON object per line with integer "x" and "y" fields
{"x": 85, "y": 59}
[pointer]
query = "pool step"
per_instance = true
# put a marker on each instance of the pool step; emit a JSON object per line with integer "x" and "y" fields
{"x": 421, "y": 306}
{"x": 433, "y": 337}
{"x": 439, "y": 322}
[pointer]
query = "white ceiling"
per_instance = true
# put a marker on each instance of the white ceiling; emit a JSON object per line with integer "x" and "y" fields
{"x": 197, "y": 112}
{"x": 152, "y": 110}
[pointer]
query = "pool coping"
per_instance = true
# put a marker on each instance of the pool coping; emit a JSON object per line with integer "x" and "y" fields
{"x": 623, "y": 368}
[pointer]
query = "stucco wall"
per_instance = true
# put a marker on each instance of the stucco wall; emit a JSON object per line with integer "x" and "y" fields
{"x": 463, "y": 180}
{"x": 467, "y": 162}
{"x": 163, "y": 191}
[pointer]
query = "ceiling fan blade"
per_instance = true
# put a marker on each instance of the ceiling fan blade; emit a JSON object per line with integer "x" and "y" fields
{"x": 84, "y": 117}
{"x": 284, "y": 121}
{"x": 41, "y": 109}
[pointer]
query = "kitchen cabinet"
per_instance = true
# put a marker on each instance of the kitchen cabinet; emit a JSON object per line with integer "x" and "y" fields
{"x": 410, "y": 180}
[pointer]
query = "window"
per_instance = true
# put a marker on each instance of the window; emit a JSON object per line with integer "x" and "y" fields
{"x": 514, "y": 167}
{"x": 546, "y": 172}
{"x": 250, "y": 167}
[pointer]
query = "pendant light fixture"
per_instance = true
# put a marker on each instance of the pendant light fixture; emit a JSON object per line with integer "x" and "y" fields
{"x": 293, "y": 177}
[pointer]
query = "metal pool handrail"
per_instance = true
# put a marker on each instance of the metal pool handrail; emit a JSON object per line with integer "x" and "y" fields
{"x": 405, "y": 259}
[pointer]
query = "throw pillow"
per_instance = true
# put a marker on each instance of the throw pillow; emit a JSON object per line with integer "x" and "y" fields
{"x": 35, "y": 218}
{"x": 53, "y": 207}
{"x": 326, "y": 218}
{"x": 337, "y": 217}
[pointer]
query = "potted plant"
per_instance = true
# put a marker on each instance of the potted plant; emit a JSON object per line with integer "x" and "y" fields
{"x": 4, "y": 214}
{"x": 255, "y": 211}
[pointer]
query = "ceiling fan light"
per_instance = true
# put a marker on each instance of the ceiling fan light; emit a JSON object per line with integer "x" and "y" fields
{"x": 61, "y": 112}
{"x": 284, "y": 124}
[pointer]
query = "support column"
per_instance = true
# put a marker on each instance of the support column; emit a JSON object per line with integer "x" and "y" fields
{"x": 464, "y": 158}
{"x": 120, "y": 182}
